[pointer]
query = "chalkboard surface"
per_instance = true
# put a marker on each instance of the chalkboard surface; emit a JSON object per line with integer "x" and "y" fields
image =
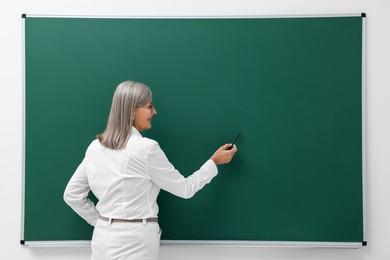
{"x": 291, "y": 86}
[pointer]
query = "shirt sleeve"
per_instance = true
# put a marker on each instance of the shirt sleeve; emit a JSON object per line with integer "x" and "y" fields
{"x": 164, "y": 174}
{"x": 76, "y": 195}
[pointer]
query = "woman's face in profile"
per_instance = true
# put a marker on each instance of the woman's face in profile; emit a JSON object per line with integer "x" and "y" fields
{"x": 143, "y": 116}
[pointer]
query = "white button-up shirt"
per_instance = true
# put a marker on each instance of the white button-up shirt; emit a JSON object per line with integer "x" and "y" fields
{"x": 127, "y": 181}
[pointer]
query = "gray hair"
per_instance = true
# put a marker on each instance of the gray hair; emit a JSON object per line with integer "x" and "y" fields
{"x": 128, "y": 96}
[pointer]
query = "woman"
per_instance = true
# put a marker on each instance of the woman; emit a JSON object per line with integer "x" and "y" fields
{"x": 126, "y": 171}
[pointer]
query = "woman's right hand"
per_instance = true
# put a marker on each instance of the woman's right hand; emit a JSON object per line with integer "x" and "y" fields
{"x": 224, "y": 154}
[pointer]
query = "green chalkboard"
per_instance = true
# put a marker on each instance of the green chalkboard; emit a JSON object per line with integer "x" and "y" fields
{"x": 291, "y": 85}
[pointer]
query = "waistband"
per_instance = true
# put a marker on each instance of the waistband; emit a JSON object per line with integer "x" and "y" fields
{"x": 145, "y": 220}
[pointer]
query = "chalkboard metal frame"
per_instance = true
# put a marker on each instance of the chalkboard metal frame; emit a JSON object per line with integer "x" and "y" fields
{"x": 222, "y": 243}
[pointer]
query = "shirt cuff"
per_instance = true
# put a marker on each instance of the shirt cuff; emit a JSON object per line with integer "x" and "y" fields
{"x": 210, "y": 167}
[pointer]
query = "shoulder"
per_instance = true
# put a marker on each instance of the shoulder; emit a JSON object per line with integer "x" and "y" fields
{"x": 141, "y": 147}
{"x": 142, "y": 142}
{"x": 149, "y": 141}
{"x": 94, "y": 145}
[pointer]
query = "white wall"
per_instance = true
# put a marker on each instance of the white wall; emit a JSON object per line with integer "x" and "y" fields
{"x": 378, "y": 125}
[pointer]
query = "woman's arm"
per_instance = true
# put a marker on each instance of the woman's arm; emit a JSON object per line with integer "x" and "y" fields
{"x": 164, "y": 174}
{"x": 76, "y": 195}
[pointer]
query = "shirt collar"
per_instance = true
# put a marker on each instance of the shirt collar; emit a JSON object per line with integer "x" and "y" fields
{"x": 134, "y": 132}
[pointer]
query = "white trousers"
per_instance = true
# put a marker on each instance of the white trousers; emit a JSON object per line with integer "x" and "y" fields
{"x": 125, "y": 241}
